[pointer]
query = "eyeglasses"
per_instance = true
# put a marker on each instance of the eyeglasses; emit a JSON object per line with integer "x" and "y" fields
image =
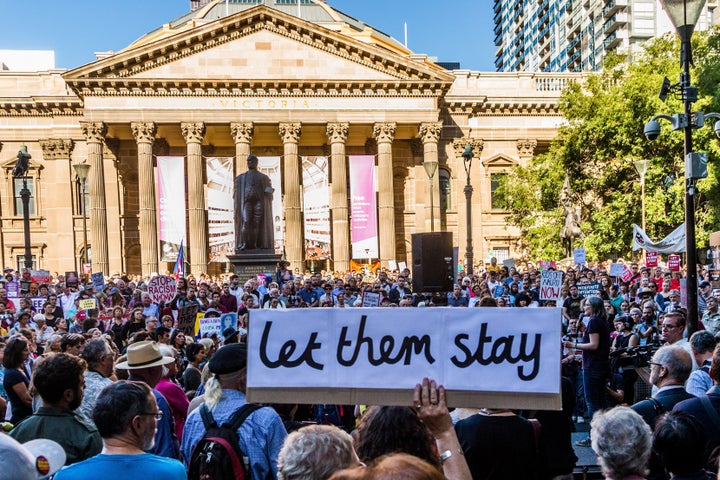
{"x": 655, "y": 363}
{"x": 669, "y": 327}
{"x": 158, "y": 415}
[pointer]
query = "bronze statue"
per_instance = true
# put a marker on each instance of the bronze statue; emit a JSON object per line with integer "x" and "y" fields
{"x": 571, "y": 228}
{"x": 252, "y": 195}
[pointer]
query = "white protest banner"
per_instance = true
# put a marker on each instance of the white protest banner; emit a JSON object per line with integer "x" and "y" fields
{"x": 550, "y": 284}
{"x": 38, "y": 302}
{"x": 616, "y": 269}
{"x": 161, "y": 288}
{"x": 210, "y": 325}
{"x": 493, "y": 357}
{"x": 371, "y": 299}
{"x": 579, "y": 255}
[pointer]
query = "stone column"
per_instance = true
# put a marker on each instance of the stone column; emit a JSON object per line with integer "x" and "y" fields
{"x": 56, "y": 153}
{"x": 290, "y": 134}
{"x": 194, "y": 133}
{"x": 242, "y": 134}
{"x": 144, "y": 134}
{"x": 94, "y": 136}
{"x": 430, "y": 135}
{"x": 337, "y": 134}
{"x": 384, "y": 134}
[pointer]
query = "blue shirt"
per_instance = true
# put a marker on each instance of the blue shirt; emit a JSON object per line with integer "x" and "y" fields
{"x": 261, "y": 435}
{"x": 308, "y": 297}
{"x": 124, "y": 467}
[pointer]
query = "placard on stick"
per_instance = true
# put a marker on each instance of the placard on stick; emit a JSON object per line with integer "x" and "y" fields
{"x": 485, "y": 357}
{"x": 186, "y": 318}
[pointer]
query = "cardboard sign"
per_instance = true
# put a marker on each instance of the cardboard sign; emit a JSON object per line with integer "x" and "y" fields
{"x": 550, "y": 284}
{"x": 588, "y": 289}
{"x": 162, "y": 288}
{"x": 208, "y": 326}
{"x": 673, "y": 263}
{"x": 98, "y": 280}
{"x": 186, "y": 318}
{"x": 627, "y": 275}
{"x": 616, "y": 269}
{"x": 651, "y": 259}
{"x": 71, "y": 279}
{"x": 40, "y": 276}
{"x": 87, "y": 304}
{"x": 484, "y": 356}
{"x": 371, "y": 299}
{"x": 579, "y": 255}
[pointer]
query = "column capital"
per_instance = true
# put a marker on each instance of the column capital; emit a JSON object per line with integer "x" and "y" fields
{"x": 144, "y": 132}
{"x": 94, "y": 131}
{"x": 193, "y": 132}
{"x": 290, "y": 132}
{"x": 459, "y": 146}
{"x": 56, "y": 148}
{"x": 430, "y": 131}
{"x": 338, "y": 132}
{"x": 242, "y": 132}
{"x": 384, "y": 132}
{"x": 526, "y": 147}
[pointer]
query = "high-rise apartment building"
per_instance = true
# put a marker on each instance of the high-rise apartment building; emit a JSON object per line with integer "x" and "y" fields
{"x": 575, "y": 35}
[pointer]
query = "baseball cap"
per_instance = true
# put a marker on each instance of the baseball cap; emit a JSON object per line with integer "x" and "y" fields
{"x": 33, "y": 460}
{"x": 704, "y": 284}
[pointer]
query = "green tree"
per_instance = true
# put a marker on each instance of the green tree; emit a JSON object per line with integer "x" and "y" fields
{"x": 596, "y": 148}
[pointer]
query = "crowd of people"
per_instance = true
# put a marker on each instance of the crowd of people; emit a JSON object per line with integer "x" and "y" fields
{"x": 121, "y": 387}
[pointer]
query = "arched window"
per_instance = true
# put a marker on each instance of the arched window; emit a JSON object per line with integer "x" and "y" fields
{"x": 445, "y": 190}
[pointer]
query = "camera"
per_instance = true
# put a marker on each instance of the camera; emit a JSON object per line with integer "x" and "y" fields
{"x": 652, "y": 130}
{"x": 634, "y": 357}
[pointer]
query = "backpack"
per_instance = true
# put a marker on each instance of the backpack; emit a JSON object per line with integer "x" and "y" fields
{"x": 217, "y": 456}
{"x": 328, "y": 415}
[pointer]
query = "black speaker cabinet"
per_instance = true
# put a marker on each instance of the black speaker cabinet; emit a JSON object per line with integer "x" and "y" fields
{"x": 432, "y": 262}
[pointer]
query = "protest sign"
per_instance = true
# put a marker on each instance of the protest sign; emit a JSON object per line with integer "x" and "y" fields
{"x": 651, "y": 259}
{"x": 371, "y": 299}
{"x": 228, "y": 320}
{"x": 402, "y": 265}
{"x": 186, "y": 318}
{"x": 87, "y": 268}
{"x": 162, "y": 288}
{"x": 498, "y": 291}
{"x": 87, "y": 304}
{"x": 673, "y": 263}
{"x": 392, "y": 265}
{"x": 12, "y": 289}
{"x": 627, "y": 275}
{"x": 37, "y": 303}
{"x": 483, "y": 356}
{"x": 550, "y": 284}
{"x": 579, "y": 256}
{"x": 588, "y": 289}
{"x": 616, "y": 269}
{"x": 545, "y": 265}
{"x": 40, "y": 276}
{"x": 489, "y": 357}
{"x": 210, "y": 325}
{"x": 71, "y": 279}
{"x": 98, "y": 280}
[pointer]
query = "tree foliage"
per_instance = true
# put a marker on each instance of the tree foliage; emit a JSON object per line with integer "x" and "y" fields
{"x": 597, "y": 147}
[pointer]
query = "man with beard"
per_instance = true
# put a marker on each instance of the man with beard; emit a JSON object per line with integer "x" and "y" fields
{"x": 126, "y": 415}
{"x": 60, "y": 382}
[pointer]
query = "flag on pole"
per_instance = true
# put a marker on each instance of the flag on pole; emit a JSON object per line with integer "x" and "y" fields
{"x": 179, "y": 268}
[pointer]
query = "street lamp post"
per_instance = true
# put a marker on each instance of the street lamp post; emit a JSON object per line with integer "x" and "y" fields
{"x": 684, "y": 14}
{"x": 641, "y": 167}
{"x": 20, "y": 171}
{"x": 430, "y": 169}
{"x": 467, "y": 155}
{"x": 81, "y": 169}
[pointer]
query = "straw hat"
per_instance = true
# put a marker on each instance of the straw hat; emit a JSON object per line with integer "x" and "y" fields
{"x": 143, "y": 355}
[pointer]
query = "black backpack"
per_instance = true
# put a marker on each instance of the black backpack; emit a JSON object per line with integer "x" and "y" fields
{"x": 217, "y": 456}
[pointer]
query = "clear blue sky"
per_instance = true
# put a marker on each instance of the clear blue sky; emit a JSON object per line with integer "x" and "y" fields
{"x": 452, "y": 30}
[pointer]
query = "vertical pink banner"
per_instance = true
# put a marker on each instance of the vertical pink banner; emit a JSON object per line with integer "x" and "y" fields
{"x": 363, "y": 207}
{"x": 171, "y": 206}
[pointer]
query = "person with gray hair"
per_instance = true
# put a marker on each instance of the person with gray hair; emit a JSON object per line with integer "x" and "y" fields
{"x": 669, "y": 369}
{"x": 702, "y": 344}
{"x": 622, "y": 442}
{"x": 100, "y": 362}
{"x": 315, "y": 452}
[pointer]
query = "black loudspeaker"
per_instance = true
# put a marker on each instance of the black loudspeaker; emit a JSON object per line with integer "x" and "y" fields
{"x": 432, "y": 262}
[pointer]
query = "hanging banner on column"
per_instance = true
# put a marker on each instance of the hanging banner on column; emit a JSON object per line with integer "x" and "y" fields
{"x": 220, "y": 207}
{"x": 270, "y": 166}
{"x": 363, "y": 207}
{"x": 316, "y": 207}
{"x": 171, "y": 206}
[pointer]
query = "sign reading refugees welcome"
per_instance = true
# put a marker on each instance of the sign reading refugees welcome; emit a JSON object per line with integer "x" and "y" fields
{"x": 483, "y": 356}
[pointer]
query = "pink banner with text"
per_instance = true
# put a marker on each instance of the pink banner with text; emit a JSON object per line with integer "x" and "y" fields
{"x": 363, "y": 207}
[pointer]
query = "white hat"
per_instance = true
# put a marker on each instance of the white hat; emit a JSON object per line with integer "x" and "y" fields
{"x": 143, "y": 355}
{"x": 32, "y": 460}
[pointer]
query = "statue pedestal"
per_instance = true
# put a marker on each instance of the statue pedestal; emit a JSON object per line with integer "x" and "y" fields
{"x": 254, "y": 262}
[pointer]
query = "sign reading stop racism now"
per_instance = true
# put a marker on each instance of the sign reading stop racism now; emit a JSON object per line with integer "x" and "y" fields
{"x": 162, "y": 288}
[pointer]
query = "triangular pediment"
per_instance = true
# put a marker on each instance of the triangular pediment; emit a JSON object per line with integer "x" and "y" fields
{"x": 258, "y": 46}
{"x": 500, "y": 161}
